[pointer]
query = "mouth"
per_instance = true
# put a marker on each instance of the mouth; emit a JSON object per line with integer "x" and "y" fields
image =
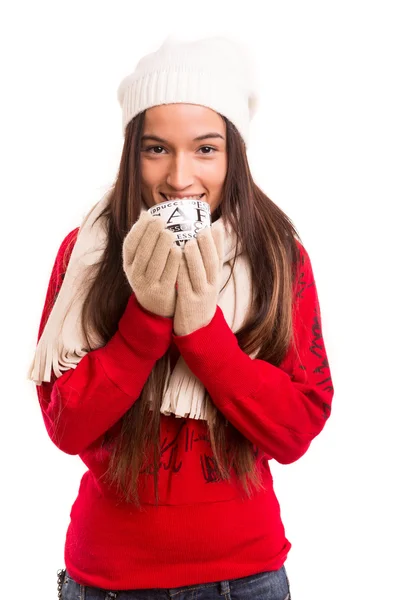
{"x": 171, "y": 197}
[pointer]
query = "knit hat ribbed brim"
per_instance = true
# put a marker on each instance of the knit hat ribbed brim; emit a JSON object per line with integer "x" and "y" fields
{"x": 214, "y": 72}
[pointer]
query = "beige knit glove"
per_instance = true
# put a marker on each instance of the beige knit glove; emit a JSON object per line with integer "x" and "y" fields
{"x": 151, "y": 263}
{"x": 199, "y": 281}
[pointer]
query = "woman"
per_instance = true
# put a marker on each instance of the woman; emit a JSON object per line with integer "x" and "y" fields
{"x": 177, "y": 375}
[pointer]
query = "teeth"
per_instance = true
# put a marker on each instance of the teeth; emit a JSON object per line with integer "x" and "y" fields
{"x": 171, "y": 199}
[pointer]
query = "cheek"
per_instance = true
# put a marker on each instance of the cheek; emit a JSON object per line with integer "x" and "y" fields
{"x": 216, "y": 174}
{"x": 149, "y": 174}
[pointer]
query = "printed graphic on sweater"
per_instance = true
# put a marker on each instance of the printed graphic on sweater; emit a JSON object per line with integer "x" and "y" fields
{"x": 184, "y": 441}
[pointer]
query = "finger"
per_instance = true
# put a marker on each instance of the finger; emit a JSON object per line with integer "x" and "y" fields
{"x": 147, "y": 244}
{"x": 132, "y": 240}
{"x": 194, "y": 261}
{"x": 184, "y": 283}
{"x": 209, "y": 254}
{"x": 157, "y": 262}
{"x": 170, "y": 274}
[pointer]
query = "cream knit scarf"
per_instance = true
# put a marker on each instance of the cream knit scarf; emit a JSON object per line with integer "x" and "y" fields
{"x": 61, "y": 345}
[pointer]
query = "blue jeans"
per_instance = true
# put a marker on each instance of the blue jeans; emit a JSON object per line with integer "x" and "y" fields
{"x": 269, "y": 585}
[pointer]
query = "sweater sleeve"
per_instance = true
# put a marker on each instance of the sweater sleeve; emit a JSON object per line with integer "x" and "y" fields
{"x": 85, "y": 402}
{"x": 279, "y": 409}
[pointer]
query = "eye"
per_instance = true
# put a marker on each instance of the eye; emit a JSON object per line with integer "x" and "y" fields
{"x": 150, "y": 148}
{"x": 207, "y": 148}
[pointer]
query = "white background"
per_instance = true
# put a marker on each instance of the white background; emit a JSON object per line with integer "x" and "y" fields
{"x": 324, "y": 146}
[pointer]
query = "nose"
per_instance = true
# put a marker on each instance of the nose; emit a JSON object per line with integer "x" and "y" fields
{"x": 180, "y": 173}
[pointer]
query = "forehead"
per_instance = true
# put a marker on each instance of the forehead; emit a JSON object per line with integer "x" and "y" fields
{"x": 182, "y": 120}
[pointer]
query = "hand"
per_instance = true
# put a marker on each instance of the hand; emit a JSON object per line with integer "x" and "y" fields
{"x": 199, "y": 281}
{"x": 151, "y": 262}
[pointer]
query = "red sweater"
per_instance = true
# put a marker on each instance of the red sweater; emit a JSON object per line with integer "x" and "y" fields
{"x": 203, "y": 530}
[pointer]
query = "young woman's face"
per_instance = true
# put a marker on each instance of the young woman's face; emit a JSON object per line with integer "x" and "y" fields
{"x": 183, "y": 154}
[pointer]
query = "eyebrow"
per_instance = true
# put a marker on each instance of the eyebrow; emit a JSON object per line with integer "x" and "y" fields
{"x": 199, "y": 138}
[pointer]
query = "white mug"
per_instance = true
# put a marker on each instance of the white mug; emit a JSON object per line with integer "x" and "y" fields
{"x": 185, "y": 218}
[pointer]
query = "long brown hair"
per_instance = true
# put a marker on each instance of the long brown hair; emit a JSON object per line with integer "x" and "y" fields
{"x": 267, "y": 236}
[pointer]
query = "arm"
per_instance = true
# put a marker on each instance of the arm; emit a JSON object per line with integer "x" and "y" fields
{"x": 85, "y": 402}
{"x": 279, "y": 409}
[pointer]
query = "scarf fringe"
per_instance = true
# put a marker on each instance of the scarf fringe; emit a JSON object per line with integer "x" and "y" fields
{"x": 185, "y": 395}
{"x": 48, "y": 359}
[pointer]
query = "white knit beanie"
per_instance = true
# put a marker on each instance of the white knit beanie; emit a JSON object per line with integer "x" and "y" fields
{"x": 216, "y": 72}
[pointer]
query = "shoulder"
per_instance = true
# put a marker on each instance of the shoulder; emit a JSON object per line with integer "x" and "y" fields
{"x": 303, "y": 273}
{"x": 302, "y": 251}
{"x": 65, "y": 250}
{"x": 303, "y": 258}
{"x": 57, "y": 275}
